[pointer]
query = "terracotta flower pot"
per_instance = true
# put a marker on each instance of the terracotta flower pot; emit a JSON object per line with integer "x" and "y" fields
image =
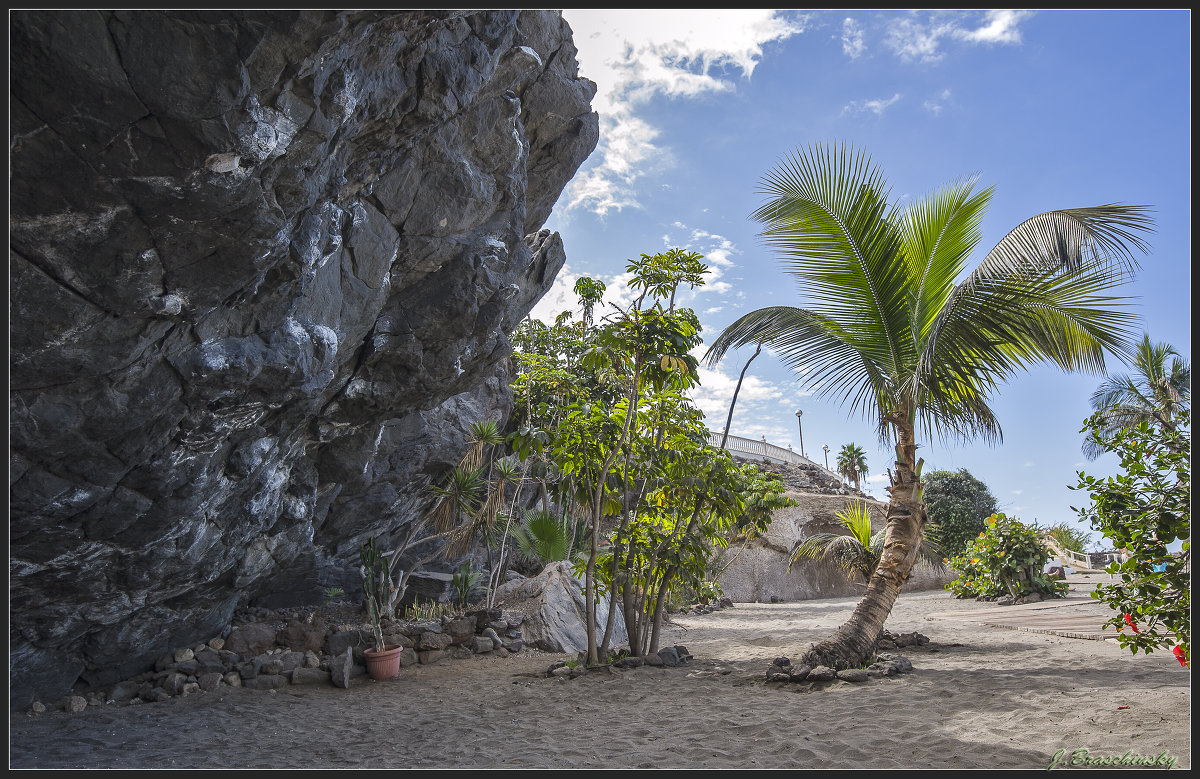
{"x": 385, "y": 664}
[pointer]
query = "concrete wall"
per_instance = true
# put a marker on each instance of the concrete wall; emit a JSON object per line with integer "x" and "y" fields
{"x": 760, "y": 571}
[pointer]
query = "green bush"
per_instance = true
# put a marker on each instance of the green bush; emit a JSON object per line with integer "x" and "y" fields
{"x": 1142, "y": 510}
{"x": 1005, "y": 559}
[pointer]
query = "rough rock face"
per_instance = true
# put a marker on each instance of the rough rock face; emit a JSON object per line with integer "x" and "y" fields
{"x": 263, "y": 267}
{"x": 761, "y": 571}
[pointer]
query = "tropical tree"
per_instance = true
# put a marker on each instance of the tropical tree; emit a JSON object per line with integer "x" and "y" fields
{"x": 857, "y": 553}
{"x": 959, "y": 503}
{"x": 852, "y": 463}
{"x": 898, "y": 327}
{"x": 1155, "y": 393}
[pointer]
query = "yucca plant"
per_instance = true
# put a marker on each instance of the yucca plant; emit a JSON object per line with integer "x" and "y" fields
{"x": 896, "y": 323}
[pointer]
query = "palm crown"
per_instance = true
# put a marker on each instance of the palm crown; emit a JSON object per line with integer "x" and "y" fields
{"x": 1158, "y": 389}
{"x": 852, "y": 463}
{"x": 890, "y": 326}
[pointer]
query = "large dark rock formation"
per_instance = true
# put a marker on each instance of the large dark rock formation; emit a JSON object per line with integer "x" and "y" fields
{"x": 263, "y": 265}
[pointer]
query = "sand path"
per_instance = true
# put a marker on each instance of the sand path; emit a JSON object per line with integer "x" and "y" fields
{"x": 979, "y": 697}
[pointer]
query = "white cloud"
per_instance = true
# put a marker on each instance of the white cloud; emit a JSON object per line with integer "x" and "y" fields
{"x": 914, "y": 40}
{"x": 1017, "y": 492}
{"x": 714, "y": 310}
{"x": 998, "y": 27}
{"x": 561, "y": 295}
{"x": 934, "y": 105}
{"x": 876, "y": 107}
{"x": 635, "y": 56}
{"x": 852, "y": 39}
{"x": 715, "y": 248}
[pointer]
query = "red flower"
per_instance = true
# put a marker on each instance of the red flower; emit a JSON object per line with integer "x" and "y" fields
{"x": 1178, "y": 652}
{"x": 1129, "y": 621}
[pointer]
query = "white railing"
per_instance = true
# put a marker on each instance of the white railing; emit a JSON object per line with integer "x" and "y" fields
{"x": 748, "y": 447}
{"x": 1068, "y": 556}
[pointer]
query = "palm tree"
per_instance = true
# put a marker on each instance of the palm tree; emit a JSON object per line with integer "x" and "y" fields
{"x": 1155, "y": 393}
{"x": 857, "y": 553}
{"x": 852, "y": 463}
{"x": 890, "y": 327}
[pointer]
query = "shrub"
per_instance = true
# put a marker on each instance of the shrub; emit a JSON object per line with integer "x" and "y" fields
{"x": 1005, "y": 559}
{"x": 1142, "y": 510}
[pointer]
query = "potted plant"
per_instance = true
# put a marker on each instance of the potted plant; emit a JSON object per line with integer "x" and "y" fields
{"x": 383, "y": 662}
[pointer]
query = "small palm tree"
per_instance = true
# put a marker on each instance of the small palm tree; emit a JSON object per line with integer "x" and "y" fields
{"x": 852, "y": 463}
{"x": 857, "y": 553}
{"x": 899, "y": 327}
{"x": 545, "y": 538}
{"x": 1155, "y": 393}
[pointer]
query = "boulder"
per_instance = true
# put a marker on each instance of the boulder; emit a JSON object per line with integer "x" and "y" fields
{"x": 822, "y": 673}
{"x": 553, "y": 605}
{"x": 311, "y": 676}
{"x": 251, "y": 639}
{"x": 303, "y": 636}
{"x": 341, "y": 668}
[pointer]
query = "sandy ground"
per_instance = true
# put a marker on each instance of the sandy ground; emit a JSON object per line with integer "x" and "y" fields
{"x": 979, "y": 697}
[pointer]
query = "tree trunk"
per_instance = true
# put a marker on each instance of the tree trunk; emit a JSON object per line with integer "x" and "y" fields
{"x": 736, "y": 390}
{"x": 854, "y": 642}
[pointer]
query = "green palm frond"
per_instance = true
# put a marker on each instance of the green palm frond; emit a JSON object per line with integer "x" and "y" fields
{"x": 1071, "y": 237}
{"x": 888, "y": 328}
{"x": 543, "y": 537}
{"x": 848, "y": 552}
{"x": 1155, "y": 392}
{"x": 829, "y": 218}
{"x": 845, "y": 552}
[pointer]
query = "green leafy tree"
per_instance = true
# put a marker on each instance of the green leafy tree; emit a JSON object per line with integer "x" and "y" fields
{"x": 857, "y": 552}
{"x": 1006, "y": 559}
{"x": 958, "y": 503}
{"x": 852, "y": 463}
{"x": 762, "y": 492}
{"x": 1157, "y": 390}
{"x": 899, "y": 326}
{"x": 1142, "y": 510}
{"x": 603, "y": 422}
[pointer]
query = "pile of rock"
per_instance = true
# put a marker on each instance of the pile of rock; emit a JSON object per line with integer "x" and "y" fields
{"x": 803, "y": 477}
{"x": 782, "y": 670}
{"x": 270, "y": 655}
{"x": 889, "y": 640}
{"x": 667, "y": 657}
{"x": 706, "y": 608}
{"x": 1008, "y": 600}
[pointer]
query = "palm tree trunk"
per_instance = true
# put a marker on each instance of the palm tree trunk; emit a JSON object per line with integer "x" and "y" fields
{"x": 854, "y": 642}
{"x": 736, "y": 390}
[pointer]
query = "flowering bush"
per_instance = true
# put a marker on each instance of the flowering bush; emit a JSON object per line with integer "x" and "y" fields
{"x": 1142, "y": 510}
{"x": 1005, "y": 559}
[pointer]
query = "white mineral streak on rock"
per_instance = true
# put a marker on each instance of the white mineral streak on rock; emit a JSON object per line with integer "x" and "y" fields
{"x": 227, "y": 162}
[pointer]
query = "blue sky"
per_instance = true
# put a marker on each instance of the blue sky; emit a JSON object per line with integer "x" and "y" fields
{"x": 1055, "y": 109}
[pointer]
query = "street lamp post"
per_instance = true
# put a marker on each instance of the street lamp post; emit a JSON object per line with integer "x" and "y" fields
{"x": 826, "y": 448}
{"x": 799, "y": 414}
